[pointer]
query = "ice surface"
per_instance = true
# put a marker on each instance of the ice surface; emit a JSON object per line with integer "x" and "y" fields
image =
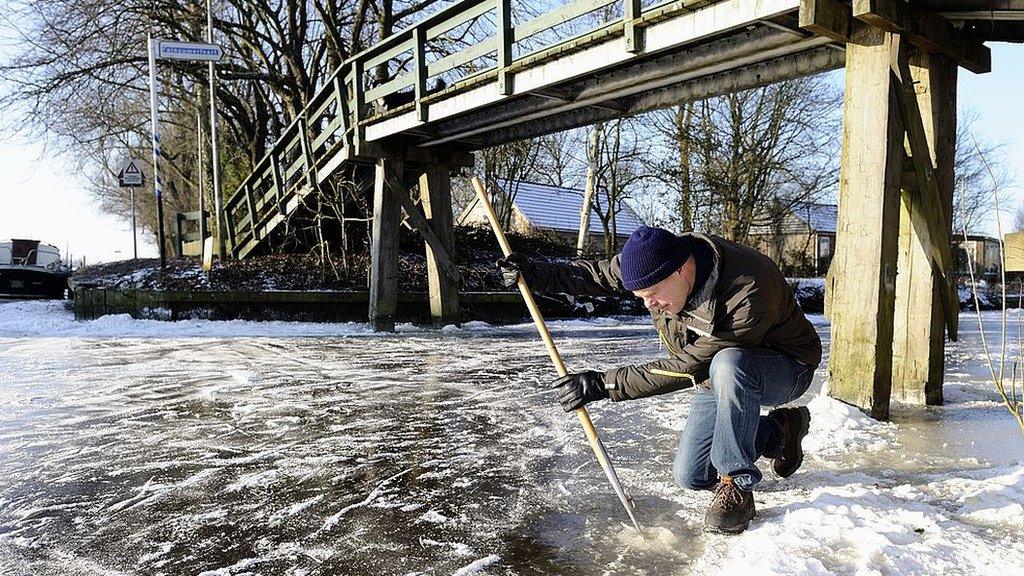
{"x": 230, "y": 448}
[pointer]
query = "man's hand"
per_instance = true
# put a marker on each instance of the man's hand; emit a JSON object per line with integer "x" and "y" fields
{"x": 577, "y": 390}
{"x": 512, "y": 266}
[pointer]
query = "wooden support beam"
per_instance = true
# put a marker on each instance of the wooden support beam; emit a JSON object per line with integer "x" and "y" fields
{"x": 922, "y": 299}
{"x": 275, "y": 166}
{"x": 251, "y": 205}
{"x": 443, "y": 288}
{"x": 359, "y": 103}
{"x": 926, "y": 30}
{"x": 420, "y": 66}
{"x": 633, "y": 32}
{"x": 505, "y": 40}
{"x": 420, "y": 223}
{"x": 829, "y": 18}
{"x": 864, "y": 266}
{"x": 760, "y": 74}
{"x": 229, "y": 223}
{"x": 384, "y": 245}
{"x": 1014, "y": 13}
{"x": 929, "y": 198}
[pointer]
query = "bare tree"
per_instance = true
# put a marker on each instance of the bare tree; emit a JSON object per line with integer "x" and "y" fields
{"x": 1018, "y": 220}
{"x": 733, "y": 161}
{"x": 974, "y": 185}
{"x": 559, "y": 158}
{"x": 510, "y": 164}
{"x": 620, "y": 169}
{"x": 80, "y": 77}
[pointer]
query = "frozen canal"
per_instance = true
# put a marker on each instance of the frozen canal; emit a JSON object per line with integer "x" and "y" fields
{"x": 138, "y": 447}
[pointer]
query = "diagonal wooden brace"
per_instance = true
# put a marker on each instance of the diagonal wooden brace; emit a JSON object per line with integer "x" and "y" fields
{"x": 419, "y": 221}
{"x": 927, "y": 188}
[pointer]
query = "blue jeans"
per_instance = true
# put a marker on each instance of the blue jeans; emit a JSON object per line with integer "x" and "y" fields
{"x": 725, "y": 432}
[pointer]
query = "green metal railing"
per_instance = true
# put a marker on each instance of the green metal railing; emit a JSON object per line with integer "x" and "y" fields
{"x": 334, "y": 121}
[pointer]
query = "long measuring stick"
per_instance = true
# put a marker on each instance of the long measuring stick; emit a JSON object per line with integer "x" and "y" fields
{"x": 556, "y": 359}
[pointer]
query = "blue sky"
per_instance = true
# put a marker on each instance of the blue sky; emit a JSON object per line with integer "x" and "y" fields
{"x": 42, "y": 196}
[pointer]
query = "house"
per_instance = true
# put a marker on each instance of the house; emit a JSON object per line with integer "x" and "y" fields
{"x": 981, "y": 251}
{"x": 802, "y": 238}
{"x": 542, "y": 209}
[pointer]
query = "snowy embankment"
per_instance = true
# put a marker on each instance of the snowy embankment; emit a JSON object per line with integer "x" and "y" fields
{"x": 230, "y": 448}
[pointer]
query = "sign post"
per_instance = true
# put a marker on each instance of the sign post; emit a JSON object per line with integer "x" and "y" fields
{"x": 131, "y": 177}
{"x": 214, "y": 142}
{"x": 154, "y": 47}
{"x": 202, "y": 174}
{"x": 173, "y": 50}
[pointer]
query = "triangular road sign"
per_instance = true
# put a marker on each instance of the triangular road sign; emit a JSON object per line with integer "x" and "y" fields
{"x": 131, "y": 174}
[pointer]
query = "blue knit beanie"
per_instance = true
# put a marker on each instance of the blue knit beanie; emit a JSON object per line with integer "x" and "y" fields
{"x": 651, "y": 255}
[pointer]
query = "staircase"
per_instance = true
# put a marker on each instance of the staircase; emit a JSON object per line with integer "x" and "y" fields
{"x": 309, "y": 150}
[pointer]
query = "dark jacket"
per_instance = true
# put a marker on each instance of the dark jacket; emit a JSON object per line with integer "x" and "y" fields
{"x": 745, "y": 303}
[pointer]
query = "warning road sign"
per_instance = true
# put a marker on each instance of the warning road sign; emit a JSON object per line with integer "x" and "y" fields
{"x": 131, "y": 174}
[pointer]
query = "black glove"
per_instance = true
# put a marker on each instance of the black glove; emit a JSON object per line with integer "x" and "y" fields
{"x": 577, "y": 390}
{"x": 512, "y": 266}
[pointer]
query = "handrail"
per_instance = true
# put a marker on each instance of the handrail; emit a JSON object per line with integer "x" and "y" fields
{"x": 455, "y": 9}
{"x": 336, "y": 114}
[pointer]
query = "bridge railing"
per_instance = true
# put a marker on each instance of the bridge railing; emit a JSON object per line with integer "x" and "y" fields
{"x": 289, "y": 169}
{"x": 359, "y": 91}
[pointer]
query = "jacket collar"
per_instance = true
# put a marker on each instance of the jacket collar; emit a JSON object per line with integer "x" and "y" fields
{"x": 701, "y": 306}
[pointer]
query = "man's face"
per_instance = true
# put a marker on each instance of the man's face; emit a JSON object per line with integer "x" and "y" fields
{"x": 670, "y": 294}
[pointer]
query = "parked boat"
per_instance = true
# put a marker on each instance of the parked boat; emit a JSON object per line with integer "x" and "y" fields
{"x": 31, "y": 269}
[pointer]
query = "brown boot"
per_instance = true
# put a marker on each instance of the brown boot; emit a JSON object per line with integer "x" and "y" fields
{"x": 795, "y": 423}
{"x": 731, "y": 510}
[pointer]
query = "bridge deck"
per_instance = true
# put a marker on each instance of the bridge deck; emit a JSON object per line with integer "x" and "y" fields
{"x": 621, "y": 66}
{"x": 421, "y": 91}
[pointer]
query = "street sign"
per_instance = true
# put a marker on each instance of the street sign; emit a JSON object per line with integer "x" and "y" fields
{"x": 131, "y": 174}
{"x": 171, "y": 50}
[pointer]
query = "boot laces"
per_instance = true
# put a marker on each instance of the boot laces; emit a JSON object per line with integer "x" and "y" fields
{"x": 727, "y": 495}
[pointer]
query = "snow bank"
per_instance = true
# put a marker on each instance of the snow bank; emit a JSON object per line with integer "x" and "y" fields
{"x": 851, "y": 525}
{"x": 48, "y": 318}
{"x": 838, "y": 428}
{"x": 51, "y": 318}
{"x": 992, "y": 498}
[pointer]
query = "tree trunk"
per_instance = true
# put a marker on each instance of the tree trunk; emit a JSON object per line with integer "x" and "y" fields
{"x": 588, "y": 193}
{"x": 684, "y": 115}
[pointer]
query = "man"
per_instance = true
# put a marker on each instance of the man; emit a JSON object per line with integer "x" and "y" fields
{"x": 732, "y": 328}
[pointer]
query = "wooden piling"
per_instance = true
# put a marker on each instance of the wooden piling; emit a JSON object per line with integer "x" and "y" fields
{"x": 860, "y": 361}
{"x": 384, "y": 245}
{"x": 436, "y": 198}
{"x": 919, "y": 335}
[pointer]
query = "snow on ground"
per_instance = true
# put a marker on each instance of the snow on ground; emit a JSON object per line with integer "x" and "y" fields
{"x": 231, "y": 448}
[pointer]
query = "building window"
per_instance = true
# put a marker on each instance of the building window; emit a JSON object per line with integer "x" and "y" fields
{"x": 824, "y": 246}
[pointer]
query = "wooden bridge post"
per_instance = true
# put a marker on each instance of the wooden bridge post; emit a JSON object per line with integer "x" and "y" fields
{"x": 919, "y": 340}
{"x": 860, "y": 361}
{"x": 436, "y": 198}
{"x": 387, "y": 213}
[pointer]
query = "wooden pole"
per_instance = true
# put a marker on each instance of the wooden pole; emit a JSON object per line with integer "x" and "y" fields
{"x": 919, "y": 340}
{"x": 593, "y": 158}
{"x": 436, "y": 198}
{"x": 556, "y": 359}
{"x": 384, "y": 249}
{"x": 202, "y": 175}
{"x": 864, "y": 267}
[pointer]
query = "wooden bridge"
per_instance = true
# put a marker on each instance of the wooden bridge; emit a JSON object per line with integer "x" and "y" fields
{"x": 570, "y": 67}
